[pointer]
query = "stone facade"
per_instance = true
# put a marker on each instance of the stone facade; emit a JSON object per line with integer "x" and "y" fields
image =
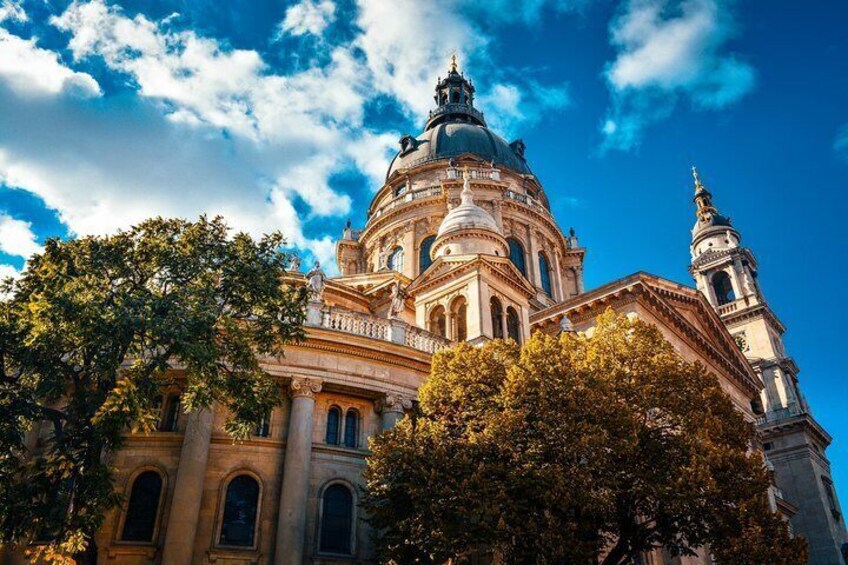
{"x": 459, "y": 244}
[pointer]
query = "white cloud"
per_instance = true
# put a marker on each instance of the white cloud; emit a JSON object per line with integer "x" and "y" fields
{"x": 308, "y": 17}
{"x": 840, "y": 143}
{"x": 668, "y": 49}
{"x": 509, "y": 106}
{"x": 31, "y": 70}
{"x": 214, "y": 129}
{"x": 16, "y": 237}
{"x": 12, "y": 10}
{"x": 407, "y": 44}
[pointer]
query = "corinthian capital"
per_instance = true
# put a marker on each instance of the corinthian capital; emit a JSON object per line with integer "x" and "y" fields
{"x": 392, "y": 402}
{"x": 305, "y": 387}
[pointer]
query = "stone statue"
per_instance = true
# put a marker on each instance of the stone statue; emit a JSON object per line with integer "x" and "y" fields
{"x": 565, "y": 325}
{"x": 294, "y": 265}
{"x": 398, "y": 303}
{"x": 382, "y": 260}
{"x": 317, "y": 280}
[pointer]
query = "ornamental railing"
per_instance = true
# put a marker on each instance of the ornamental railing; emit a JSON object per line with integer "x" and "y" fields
{"x": 395, "y": 331}
{"x": 454, "y": 173}
{"x": 526, "y": 200}
{"x": 408, "y": 196}
{"x": 423, "y": 340}
{"x": 355, "y": 323}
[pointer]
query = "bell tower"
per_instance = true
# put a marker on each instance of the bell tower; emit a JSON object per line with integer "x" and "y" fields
{"x": 794, "y": 442}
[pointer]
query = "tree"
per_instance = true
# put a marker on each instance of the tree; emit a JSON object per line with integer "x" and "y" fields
{"x": 579, "y": 449}
{"x": 92, "y": 332}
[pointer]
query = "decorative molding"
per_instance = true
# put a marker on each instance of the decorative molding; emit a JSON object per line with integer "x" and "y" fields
{"x": 393, "y": 402}
{"x": 306, "y": 388}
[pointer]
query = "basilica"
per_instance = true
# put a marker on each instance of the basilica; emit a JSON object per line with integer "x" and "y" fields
{"x": 459, "y": 244}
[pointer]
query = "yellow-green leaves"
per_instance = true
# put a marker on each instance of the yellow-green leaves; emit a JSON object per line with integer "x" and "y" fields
{"x": 576, "y": 449}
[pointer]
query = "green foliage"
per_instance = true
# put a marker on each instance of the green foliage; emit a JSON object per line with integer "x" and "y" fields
{"x": 97, "y": 326}
{"x": 578, "y": 449}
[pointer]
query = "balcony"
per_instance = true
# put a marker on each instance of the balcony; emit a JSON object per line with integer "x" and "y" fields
{"x": 381, "y": 329}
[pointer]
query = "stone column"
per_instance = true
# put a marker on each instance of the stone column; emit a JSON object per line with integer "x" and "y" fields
{"x": 291, "y": 523}
{"x": 391, "y": 407}
{"x": 188, "y": 488}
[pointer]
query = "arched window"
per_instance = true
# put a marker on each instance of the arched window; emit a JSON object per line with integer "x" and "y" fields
{"x": 337, "y": 520}
{"x": 459, "y": 310}
{"x": 723, "y": 288}
{"x": 241, "y": 503}
{"x": 513, "y": 326}
{"x": 396, "y": 260}
{"x": 545, "y": 274}
{"x": 351, "y": 432}
{"x": 496, "y": 309}
{"x": 143, "y": 508}
{"x": 437, "y": 321}
{"x": 334, "y": 420}
{"x": 424, "y": 260}
{"x": 516, "y": 255}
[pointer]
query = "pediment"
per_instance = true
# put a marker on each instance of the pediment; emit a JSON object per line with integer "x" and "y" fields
{"x": 445, "y": 268}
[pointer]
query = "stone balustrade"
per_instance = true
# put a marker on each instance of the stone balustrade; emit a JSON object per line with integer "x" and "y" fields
{"x": 527, "y": 201}
{"x": 355, "y": 323}
{"x": 423, "y": 340}
{"x": 454, "y": 173}
{"x": 396, "y": 331}
{"x": 409, "y": 196}
{"x": 727, "y": 308}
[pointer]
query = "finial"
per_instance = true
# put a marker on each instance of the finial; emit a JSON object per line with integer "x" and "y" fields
{"x": 696, "y": 177}
{"x": 453, "y": 62}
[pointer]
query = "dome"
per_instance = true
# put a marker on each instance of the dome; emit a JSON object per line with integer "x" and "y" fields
{"x": 468, "y": 216}
{"x": 451, "y": 139}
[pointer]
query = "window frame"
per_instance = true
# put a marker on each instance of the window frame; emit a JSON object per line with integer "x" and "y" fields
{"x": 122, "y": 516}
{"x": 520, "y": 247}
{"x": 519, "y": 338}
{"x": 391, "y": 262}
{"x": 222, "y": 503}
{"x": 545, "y": 274}
{"x": 354, "y": 505}
{"x": 428, "y": 243}
{"x": 497, "y": 326}
{"x": 357, "y": 418}
{"x": 340, "y": 412}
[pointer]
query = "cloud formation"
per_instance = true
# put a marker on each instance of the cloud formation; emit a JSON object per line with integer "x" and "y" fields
{"x": 198, "y": 126}
{"x": 669, "y": 50}
{"x": 308, "y": 17}
{"x": 16, "y": 237}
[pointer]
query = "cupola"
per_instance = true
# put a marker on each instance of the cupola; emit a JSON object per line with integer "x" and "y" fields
{"x": 469, "y": 229}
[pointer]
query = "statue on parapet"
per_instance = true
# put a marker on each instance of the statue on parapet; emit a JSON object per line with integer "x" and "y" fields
{"x": 317, "y": 281}
{"x": 294, "y": 265}
{"x": 398, "y": 303}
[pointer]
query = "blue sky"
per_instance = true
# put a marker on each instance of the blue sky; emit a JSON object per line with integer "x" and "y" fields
{"x": 284, "y": 115}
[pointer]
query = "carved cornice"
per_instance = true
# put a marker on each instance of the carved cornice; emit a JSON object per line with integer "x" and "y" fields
{"x": 305, "y": 388}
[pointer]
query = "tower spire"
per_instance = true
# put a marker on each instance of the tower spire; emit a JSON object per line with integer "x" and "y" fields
{"x": 453, "y": 63}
